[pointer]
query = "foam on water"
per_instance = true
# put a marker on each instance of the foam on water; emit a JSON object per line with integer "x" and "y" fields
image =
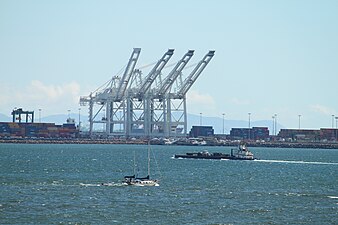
{"x": 333, "y": 197}
{"x": 90, "y": 185}
{"x": 110, "y": 184}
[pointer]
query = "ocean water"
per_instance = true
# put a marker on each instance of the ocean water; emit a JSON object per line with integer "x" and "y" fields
{"x": 61, "y": 184}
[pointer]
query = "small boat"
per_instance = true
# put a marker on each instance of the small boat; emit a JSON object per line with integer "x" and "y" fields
{"x": 242, "y": 153}
{"x": 141, "y": 181}
{"x": 138, "y": 181}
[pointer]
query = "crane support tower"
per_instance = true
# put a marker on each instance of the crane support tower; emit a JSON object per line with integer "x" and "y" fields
{"x": 134, "y": 105}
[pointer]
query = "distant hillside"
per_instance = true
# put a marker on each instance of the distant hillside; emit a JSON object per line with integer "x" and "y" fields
{"x": 57, "y": 119}
{"x": 4, "y": 118}
{"x": 217, "y": 123}
{"x": 61, "y": 118}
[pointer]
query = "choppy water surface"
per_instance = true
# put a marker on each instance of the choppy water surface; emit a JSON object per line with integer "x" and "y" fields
{"x": 51, "y": 184}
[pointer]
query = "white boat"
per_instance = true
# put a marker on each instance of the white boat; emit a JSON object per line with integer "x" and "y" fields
{"x": 141, "y": 181}
{"x": 146, "y": 181}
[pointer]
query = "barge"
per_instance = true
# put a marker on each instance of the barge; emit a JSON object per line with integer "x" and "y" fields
{"x": 242, "y": 153}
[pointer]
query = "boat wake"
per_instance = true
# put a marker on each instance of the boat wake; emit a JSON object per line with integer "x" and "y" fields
{"x": 333, "y": 197}
{"x": 295, "y": 162}
{"x": 111, "y": 184}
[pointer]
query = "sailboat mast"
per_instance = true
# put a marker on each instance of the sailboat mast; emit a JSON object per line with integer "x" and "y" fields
{"x": 148, "y": 158}
{"x": 134, "y": 163}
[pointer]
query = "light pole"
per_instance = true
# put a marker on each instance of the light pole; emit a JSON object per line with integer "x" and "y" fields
{"x": 120, "y": 119}
{"x": 223, "y": 123}
{"x": 39, "y": 115}
{"x": 200, "y": 119}
{"x": 275, "y": 124}
{"x": 332, "y": 121}
{"x": 79, "y": 118}
{"x": 249, "y": 124}
{"x": 336, "y": 128}
{"x": 299, "y": 121}
{"x": 103, "y": 118}
{"x": 249, "y": 119}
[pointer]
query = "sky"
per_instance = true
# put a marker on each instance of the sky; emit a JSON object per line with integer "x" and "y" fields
{"x": 272, "y": 57}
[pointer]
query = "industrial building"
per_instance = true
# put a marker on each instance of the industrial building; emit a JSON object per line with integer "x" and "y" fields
{"x": 329, "y": 134}
{"x": 297, "y": 134}
{"x": 201, "y": 131}
{"x": 323, "y": 134}
{"x": 152, "y": 104}
{"x": 262, "y": 133}
{"x": 255, "y": 133}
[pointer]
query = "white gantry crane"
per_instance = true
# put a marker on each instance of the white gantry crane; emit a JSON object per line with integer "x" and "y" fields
{"x": 110, "y": 100}
{"x": 138, "y": 118}
{"x": 134, "y": 105}
{"x": 176, "y": 100}
{"x": 158, "y": 106}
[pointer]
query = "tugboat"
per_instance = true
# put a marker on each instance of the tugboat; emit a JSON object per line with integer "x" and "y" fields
{"x": 242, "y": 153}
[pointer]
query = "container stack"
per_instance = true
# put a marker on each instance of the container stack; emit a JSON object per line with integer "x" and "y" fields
{"x": 38, "y": 130}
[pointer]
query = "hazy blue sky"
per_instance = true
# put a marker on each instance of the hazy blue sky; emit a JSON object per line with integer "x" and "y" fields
{"x": 271, "y": 56}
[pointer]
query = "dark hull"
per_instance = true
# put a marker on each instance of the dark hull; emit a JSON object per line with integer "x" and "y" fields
{"x": 219, "y": 157}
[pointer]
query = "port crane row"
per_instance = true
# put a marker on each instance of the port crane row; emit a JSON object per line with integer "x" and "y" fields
{"x": 154, "y": 105}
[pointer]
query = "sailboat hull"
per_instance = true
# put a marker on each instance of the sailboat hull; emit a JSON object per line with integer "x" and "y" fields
{"x": 142, "y": 183}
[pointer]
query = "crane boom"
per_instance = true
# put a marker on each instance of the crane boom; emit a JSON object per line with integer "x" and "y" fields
{"x": 189, "y": 81}
{"x": 150, "y": 78}
{"x": 169, "y": 80}
{"x": 127, "y": 74}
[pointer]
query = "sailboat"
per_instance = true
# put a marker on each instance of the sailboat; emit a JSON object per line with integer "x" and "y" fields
{"x": 141, "y": 181}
